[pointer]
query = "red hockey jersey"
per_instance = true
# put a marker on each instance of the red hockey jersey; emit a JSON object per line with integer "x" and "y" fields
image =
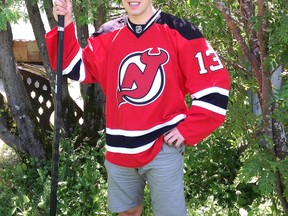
{"x": 145, "y": 72}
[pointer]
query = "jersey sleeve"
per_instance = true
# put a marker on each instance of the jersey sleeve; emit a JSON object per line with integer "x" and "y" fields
{"x": 78, "y": 64}
{"x": 207, "y": 81}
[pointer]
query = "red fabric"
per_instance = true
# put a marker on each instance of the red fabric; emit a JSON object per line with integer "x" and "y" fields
{"x": 104, "y": 59}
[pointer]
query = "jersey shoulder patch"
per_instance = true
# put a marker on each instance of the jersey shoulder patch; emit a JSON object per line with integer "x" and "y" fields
{"x": 185, "y": 28}
{"x": 110, "y": 26}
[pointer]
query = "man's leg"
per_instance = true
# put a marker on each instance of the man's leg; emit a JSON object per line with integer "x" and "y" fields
{"x": 165, "y": 180}
{"x": 136, "y": 211}
{"x": 125, "y": 190}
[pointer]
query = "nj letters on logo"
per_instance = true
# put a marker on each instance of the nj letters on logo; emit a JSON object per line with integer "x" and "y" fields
{"x": 141, "y": 78}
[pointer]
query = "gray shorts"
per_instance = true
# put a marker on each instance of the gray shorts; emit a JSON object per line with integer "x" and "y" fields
{"x": 164, "y": 177}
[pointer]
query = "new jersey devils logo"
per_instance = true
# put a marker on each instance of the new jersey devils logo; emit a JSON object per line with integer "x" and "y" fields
{"x": 141, "y": 77}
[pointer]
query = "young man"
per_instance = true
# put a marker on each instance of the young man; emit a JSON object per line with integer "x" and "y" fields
{"x": 146, "y": 63}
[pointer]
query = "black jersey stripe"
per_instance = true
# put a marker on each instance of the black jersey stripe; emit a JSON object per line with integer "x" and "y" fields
{"x": 215, "y": 99}
{"x": 75, "y": 72}
{"x": 136, "y": 141}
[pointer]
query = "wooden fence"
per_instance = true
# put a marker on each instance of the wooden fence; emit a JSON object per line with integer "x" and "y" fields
{"x": 36, "y": 82}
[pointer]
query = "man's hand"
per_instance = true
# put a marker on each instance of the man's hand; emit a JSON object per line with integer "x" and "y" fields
{"x": 173, "y": 138}
{"x": 64, "y": 8}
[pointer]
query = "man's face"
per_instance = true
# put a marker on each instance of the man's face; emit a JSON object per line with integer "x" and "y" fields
{"x": 139, "y": 11}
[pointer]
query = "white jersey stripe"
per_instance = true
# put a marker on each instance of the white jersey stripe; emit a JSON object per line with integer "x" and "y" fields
{"x": 129, "y": 150}
{"x": 129, "y": 25}
{"x": 209, "y": 106}
{"x": 210, "y": 90}
{"x": 152, "y": 20}
{"x": 136, "y": 133}
{"x": 82, "y": 72}
{"x": 149, "y": 23}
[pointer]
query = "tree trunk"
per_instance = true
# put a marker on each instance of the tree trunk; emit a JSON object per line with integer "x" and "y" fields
{"x": 69, "y": 120}
{"x": 29, "y": 138}
{"x": 279, "y": 133}
{"x": 94, "y": 99}
{"x": 280, "y": 142}
{"x": 48, "y": 6}
{"x": 39, "y": 32}
{"x": 7, "y": 123}
{"x": 279, "y": 187}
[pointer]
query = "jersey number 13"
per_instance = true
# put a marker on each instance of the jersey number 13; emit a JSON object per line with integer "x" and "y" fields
{"x": 217, "y": 65}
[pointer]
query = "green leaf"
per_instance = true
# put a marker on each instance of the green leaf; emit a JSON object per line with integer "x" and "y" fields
{"x": 24, "y": 166}
{"x": 266, "y": 182}
{"x": 26, "y": 199}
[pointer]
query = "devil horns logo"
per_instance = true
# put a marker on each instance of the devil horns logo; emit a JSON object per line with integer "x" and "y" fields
{"x": 141, "y": 77}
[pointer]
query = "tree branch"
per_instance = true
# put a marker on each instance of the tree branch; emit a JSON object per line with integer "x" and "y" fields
{"x": 10, "y": 139}
{"x": 236, "y": 32}
{"x": 262, "y": 7}
{"x": 254, "y": 62}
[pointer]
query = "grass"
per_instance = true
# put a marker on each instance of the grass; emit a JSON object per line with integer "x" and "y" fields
{"x": 8, "y": 162}
{"x": 20, "y": 188}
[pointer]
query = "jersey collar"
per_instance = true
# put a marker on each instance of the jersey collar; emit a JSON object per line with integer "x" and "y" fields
{"x": 138, "y": 30}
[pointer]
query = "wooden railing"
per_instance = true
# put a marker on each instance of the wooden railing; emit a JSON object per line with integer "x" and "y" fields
{"x": 36, "y": 83}
{"x": 39, "y": 92}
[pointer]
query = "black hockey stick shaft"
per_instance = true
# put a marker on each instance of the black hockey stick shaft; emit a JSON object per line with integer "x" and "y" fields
{"x": 57, "y": 118}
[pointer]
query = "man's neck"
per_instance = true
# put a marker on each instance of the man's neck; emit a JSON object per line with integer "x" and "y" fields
{"x": 142, "y": 18}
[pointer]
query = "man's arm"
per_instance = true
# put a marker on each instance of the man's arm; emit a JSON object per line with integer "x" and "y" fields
{"x": 208, "y": 83}
{"x": 77, "y": 63}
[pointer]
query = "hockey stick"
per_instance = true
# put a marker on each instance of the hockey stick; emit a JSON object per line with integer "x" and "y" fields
{"x": 57, "y": 118}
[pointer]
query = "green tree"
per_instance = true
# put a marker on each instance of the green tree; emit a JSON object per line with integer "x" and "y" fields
{"x": 244, "y": 163}
{"x": 251, "y": 37}
{"x": 256, "y": 38}
{"x": 28, "y": 137}
{"x": 16, "y": 134}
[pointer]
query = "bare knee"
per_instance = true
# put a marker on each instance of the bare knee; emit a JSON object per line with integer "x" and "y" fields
{"x": 136, "y": 211}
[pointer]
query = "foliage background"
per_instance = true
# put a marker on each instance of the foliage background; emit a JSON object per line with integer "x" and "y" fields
{"x": 232, "y": 172}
